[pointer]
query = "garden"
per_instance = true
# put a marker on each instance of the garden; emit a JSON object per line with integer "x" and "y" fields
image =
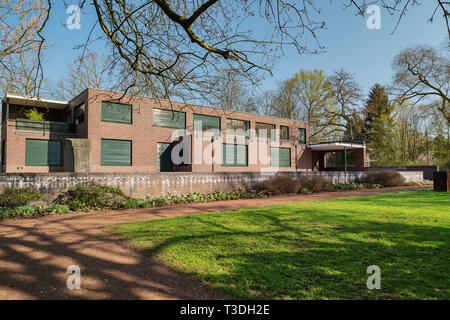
{"x": 90, "y": 196}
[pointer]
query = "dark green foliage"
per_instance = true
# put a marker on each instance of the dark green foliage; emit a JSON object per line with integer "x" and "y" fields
{"x": 377, "y": 125}
{"x": 92, "y": 196}
{"x": 12, "y": 198}
{"x": 28, "y": 211}
{"x": 278, "y": 185}
{"x": 314, "y": 184}
{"x": 384, "y": 178}
{"x": 135, "y": 203}
{"x": 353, "y": 186}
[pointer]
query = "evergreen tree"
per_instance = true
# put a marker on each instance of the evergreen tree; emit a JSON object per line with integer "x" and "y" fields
{"x": 377, "y": 128}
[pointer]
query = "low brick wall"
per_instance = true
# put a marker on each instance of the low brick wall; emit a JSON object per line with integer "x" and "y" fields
{"x": 426, "y": 170}
{"x": 141, "y": 185}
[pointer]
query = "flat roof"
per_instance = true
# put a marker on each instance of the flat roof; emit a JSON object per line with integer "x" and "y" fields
{"x": 335, "y": 146}
{"x": 36, "y": 102}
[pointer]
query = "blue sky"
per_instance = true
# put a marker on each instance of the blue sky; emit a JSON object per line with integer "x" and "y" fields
{"x": 349, "y": 44}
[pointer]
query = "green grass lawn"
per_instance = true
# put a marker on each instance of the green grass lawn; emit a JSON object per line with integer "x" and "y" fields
{"x": 312, "y": 250}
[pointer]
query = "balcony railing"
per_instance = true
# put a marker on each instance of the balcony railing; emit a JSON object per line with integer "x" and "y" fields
{"x": 44, "y": 126}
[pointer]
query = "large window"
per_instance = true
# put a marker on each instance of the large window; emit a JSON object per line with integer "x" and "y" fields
{"x": 280, "y": 157}
{"x": 42, "y": 152}
{"x": 238, "y": 127}
{"x": 336, "y": 159}
{"x": 265, "y": 130}
{"x": 301, "y": 135}
{"x": 234, "y": 155}
{"x": 284, "y": 133}
{"x": 207, "y": 123}
{"x": 116, "y": 112}
{"x": 116, "y": 152}
{"x": 78, "y": 114}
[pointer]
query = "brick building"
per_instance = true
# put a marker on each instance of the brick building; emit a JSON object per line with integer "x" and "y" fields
{"x": 100, "y": 132}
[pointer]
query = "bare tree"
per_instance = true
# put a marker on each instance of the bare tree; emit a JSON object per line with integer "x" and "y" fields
{"x": 18, "y": 76}
{"x": 399, "y": 8}
{"x": 20, "y": 24}
{"x": 347, "y": 95}
{"x": 184, "y": 44}
{"x": 232, "y": 93}
{"x": 286, "y": 100}
{"x": 421, "y": 72}
{"x": 93, "y": 71}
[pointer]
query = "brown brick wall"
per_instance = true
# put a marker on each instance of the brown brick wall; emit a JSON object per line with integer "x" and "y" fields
{"x": 145, "y": 137}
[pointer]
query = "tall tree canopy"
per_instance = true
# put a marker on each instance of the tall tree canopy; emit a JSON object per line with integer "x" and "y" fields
{"x": 378, "y": 124}
{"x": 184, "y": 44}
{"x": 422, "y": 72}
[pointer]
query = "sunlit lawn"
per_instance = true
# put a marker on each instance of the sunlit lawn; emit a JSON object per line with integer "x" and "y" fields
{"x": 312, "y": 250}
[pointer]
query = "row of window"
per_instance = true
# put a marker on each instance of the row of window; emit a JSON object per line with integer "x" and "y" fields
{"x": 122, "y": 113}
{"x": 119, "y": 153}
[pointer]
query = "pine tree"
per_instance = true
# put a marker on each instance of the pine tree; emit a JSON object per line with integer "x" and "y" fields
{"x": 377, "y": 126}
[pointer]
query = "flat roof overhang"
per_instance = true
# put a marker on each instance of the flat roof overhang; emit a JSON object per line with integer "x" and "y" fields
{"x": 336, "y": 146}
{"x": 36, "y": 102}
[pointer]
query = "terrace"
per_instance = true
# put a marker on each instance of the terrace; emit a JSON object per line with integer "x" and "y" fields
{"x": 57, "y": 116}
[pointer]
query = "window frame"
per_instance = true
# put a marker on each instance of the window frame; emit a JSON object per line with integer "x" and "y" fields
{"x": 60, "y": 163}
{"x": 235, "y": 164}
{"x": 278, "y": 166}
{"x": 116, "y": 165}
{"x": 287, "y": 128}
{"x": 206, "y": 115}
{"x": 246, "y": 124}
{"x": 304, "y": 136}
{"x": 115, "y": 121}
{"x": 171, "y": 111}
{"x": 75, "y": 118}
{"x": 272, "y": 130}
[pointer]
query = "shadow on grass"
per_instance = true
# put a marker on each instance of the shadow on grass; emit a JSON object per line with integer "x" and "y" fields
{"x": 297, "y": 257}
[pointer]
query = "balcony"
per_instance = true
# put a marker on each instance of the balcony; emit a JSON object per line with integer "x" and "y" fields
{"x": 45, "y": 126}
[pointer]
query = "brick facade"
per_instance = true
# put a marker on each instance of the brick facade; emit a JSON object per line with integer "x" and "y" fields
{"x": 145, "y": 137}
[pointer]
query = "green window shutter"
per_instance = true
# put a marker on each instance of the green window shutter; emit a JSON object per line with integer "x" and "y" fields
{"x": 116, "y": 112}
{"x": 280, "y": 157}
{"x": 169, "y": 119}
{"x": 116, "y": 152}
{"x": 42, "y": 152}
{"x": 301, "y": 135}
{"x": 234, "y": 155}
{"x": 208, "y": 123}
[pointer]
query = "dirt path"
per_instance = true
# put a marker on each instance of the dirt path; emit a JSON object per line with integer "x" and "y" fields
{"x": 35, "y": 254}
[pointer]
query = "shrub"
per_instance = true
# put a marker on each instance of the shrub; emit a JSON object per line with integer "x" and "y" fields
{"x": 12, "y": 198}
{"x": 354, "y": 186}
{"x": 278, "y": 185}
{"x": 25, "y": 211}
{"x": 315, "y": 183}
{"x": 135, "y": 203}
{"x": 384, "y": 178}
{"x": 34, "y": 114}
{"x": 92, "y": 196}
{"x": 57, "y": 208}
